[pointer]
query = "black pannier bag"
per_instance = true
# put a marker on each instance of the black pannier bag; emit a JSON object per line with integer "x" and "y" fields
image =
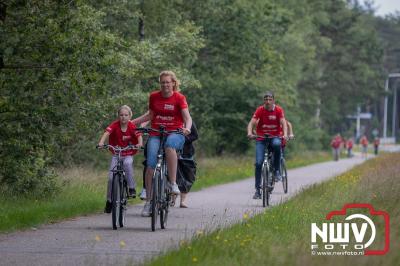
{"x": 185, "y": 174}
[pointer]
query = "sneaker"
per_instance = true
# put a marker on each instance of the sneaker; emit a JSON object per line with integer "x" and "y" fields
{"x": 143, "y": 195}
{"x": 132, "y": 193}
{"x": 278, "y": 176}
{"x": 175, "y": 189}
{"x": 257, "y": 194}
{"x": 108, "y": 207}
{"x": 146, "y": 212}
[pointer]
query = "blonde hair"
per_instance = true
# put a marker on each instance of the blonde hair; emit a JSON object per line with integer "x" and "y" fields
{"x": 126, "y": 107}
{"x": 173, "y": 77}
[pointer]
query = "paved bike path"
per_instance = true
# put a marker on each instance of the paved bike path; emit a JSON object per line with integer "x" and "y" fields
{"x": 90, "y": 240}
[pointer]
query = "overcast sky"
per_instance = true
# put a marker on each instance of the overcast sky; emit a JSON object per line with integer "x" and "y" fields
{"x": 385, "y": 7}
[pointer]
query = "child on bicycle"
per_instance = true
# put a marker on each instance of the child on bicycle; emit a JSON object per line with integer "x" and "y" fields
{"x": 122, "y": 132}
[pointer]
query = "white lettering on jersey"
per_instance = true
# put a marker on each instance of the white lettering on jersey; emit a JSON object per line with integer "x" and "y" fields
{"x": 169, "y": 107}
{"x": 269, "y": 126}
{"x": 165, "y": 118}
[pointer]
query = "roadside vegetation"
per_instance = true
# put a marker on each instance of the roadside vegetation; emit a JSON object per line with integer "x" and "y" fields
{"x": 83, "y": 189}
{"x": 281, "y": 235}
{"x": 81, "y": 60}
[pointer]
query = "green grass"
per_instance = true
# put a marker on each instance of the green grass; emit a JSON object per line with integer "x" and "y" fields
{"x": 84, "y": 190}
{"x": 281, "y": 235}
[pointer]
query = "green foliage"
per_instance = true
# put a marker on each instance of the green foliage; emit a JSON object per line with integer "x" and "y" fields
{"x": 70, "y": 64}
{"x": 66, "y": 72}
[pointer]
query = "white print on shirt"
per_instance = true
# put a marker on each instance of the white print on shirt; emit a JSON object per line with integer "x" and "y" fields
{"x": 165, "y": 118}
{"x": 272, "y": 117}
{"x": 169, "y": 107}
{"x": 125, "y": 138}
{"x": 269, "y": 126}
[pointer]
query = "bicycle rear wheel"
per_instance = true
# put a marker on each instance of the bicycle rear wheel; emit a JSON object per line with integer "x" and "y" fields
{"x": 284, "y": 176}
{"x": 154, "y": 199}
{"x": 115, "y": 201}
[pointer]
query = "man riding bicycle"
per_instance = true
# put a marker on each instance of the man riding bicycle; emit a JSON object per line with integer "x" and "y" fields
{"x": 268, "y": 119}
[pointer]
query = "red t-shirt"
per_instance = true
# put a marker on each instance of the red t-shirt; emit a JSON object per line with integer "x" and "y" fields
{"x": 122, "y": 139}
{"x": 269, "y": 121}
{"x": 335, "y": 143}
{"x": 364, "y": 141}
{"x": 349, "y": 144}
{"x": 167, "y": 111}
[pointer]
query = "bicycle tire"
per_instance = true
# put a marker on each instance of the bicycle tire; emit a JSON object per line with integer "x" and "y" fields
{"x": 123, "y": 197}
{"x": 154, "y": 199}
{"x": 270, "y": 184}
{"x": 284, "y": 176}
{"x": 264, "y": 172}
{"x": 115, "y": 201}
{"x": 164, "y": 214}
{"x": 165, "y": 205}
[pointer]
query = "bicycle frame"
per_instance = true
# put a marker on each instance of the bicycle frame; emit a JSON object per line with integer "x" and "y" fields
{"x": 119, "y": 170}
{"x": 161, "y": 197}
{"x": 119, "y": 187}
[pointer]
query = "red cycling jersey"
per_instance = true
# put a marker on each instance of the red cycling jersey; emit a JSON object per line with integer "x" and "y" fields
{"x": 269, "y": 121}
{"x": 122, "y": 139}
{"x": 167, "y": 111}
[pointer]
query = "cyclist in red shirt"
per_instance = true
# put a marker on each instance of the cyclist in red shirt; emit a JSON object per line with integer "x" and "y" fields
{"x": 122, "y": 133}
{"x": 167, "y": 107}
{"x": 364, "y": 146}
{"x": 268, "y": 119}
{"x": 335, "y": 144}
{"x": 349, "y": 146}
{"x": 376, "y": 145}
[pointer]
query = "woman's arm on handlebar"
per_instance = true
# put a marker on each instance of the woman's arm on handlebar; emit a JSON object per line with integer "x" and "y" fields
{"x": 187, "y": 120}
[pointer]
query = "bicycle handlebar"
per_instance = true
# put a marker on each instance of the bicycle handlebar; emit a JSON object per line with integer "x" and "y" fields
{"x": 119, "y": 149}
{"x": 267, "y": 136}
{"x": 162, "y": 130}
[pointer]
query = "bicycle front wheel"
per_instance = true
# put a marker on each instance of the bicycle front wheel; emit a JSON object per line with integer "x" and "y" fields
{"x": 123, "y": 199}
{"x": 154, "y": 199}
{"x": 265, "y": 191}
{"x": 284, "y": 176}
{"x": 115, "y": 201}
{"x": 164, "y": 208}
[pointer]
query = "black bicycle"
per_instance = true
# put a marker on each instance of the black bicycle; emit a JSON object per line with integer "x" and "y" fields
{"x": 119, "y": 190}
{"x": 161, "y": 197}
{"x": 267, "y": 179}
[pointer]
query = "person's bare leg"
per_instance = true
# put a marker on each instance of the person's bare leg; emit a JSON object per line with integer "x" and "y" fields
{"x": 183, "y": 197}
{"x": 172, "y": 161}
{"x": 149, "y": 176}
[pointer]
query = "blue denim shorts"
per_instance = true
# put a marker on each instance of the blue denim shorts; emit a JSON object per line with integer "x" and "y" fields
{"x": 174, "y": 141}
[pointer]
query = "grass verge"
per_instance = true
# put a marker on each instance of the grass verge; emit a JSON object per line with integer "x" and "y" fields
{"x": 281, "y": 235}
{"x": 84, "y": 190}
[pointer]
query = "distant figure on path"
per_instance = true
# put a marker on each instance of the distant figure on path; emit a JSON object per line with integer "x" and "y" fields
{"x": 376, "y": 145}
{"x": 335, "y": 144}
{"x": 364, "y": 146}
{"x": 349, "y": 145}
